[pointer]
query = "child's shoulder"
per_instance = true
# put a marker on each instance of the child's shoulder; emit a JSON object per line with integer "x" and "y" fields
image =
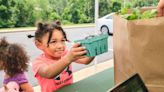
{"x": 41, "y": 59}
{"x": 18, "y": 78}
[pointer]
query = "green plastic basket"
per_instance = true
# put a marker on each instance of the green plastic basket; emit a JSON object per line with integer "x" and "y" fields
{"x": 95, "y": 45}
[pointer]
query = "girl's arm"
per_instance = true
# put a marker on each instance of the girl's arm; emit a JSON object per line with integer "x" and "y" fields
{"x": 54, "y": 69}
{"x": 84, "y": 60}
{"x": 26, "y": 87}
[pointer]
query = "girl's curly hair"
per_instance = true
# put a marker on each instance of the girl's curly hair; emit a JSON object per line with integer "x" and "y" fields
{"x": 13, "y": 57}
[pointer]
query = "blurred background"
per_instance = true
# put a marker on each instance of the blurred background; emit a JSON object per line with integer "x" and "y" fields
{"x": 25, "y": 13}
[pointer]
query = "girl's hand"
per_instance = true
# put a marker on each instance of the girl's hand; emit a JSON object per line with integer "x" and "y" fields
{"x": 160, "y": 8}
{"x": 76, "y": 52}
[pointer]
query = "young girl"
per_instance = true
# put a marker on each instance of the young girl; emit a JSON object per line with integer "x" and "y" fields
{"x": 53, "y": 68}
{"x": 14, "y": 62}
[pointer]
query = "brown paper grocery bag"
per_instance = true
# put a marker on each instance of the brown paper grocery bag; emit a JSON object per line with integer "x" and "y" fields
{"x": 139, "y": 48}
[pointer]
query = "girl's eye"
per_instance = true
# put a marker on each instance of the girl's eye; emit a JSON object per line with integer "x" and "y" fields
{"x": 53, "y": 42}
{"x": 63, "y": 40}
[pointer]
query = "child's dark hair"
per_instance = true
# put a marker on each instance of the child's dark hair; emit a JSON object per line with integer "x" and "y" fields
{"x": 44, "y": 28}
{"x": 57, "y": 22}
{"x": 13, "y": 57}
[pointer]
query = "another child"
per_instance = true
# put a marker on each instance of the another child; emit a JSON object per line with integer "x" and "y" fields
{"x": 14, "y": 62}
{"x": 10, "y": 87}
{"x": 53, "y": 68}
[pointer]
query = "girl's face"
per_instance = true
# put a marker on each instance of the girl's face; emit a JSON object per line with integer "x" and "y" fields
{"x": 56, "y": 46}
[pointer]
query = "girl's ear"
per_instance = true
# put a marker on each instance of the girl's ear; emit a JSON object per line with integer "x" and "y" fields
{"x": 39, "y": 45}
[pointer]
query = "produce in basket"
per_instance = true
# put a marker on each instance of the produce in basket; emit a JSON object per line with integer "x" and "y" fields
{"x": 95, "y": 44}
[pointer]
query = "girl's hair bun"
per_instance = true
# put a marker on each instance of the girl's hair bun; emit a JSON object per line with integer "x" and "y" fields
{"x": 40, "y": 26}
{"x": 30, "y": 36}
{"x": 58, "y": 22}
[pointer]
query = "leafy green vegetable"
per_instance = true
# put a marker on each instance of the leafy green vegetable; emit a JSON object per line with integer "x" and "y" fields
{"x": 123, "y": 11}
{"x": 136, "y": 14}
{"x": 149, "y": 14}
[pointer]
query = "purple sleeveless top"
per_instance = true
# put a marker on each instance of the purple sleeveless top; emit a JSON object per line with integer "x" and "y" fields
{"x": 19, "y": 78}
